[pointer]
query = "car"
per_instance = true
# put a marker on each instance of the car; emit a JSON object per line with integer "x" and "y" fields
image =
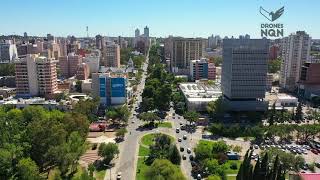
{"x": 133, "y": 122}
{"x": 193, "y": 163}
{"x": 314, "y": 151}
{"x": 177, "y": 130}
{"x": 179, "y": 139}
{"x": 188, "y": 150}
{"x": 184, "y": 157}
{"x": 184, "y": 137}
{"x": 183, "y": 127}
{"x": 199, "y": 177}
{"x": 256, "y": 146}
{"x": 305, "y": 152}
{"x": 191, "y": 159}
{"x": 181, "y": 123}
{"x": 119, "y": 176}
{"x": 181, "y": 149}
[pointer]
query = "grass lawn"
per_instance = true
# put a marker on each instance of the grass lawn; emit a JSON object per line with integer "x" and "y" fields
{"x": 100, "y": 174}
{"x": 231, "y": 177}
{"x": 232, "y": 171}
{"x": 165, "y": 124}
{"x": 141, "y": 169}
{"x": 143, "y": 151}
{"x": 148, "y": 139}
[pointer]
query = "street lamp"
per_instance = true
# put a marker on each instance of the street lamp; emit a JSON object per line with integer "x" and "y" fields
{"x": 109, "y": 166}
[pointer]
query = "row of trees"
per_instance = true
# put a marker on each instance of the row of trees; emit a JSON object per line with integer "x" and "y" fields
{"x": 263, "y": 169}
{"x": 210, "y": 157}
{"x": 121, "y": 113}
{"x": 163, "y": 160}
{"x": 273, "y": 165}
{"x": 88, "y": 108}
{"x": 284, "y": 115}
{"x": 163, "y": 148}
{"x": 157, "y": 92}
{"x": 35, "y": 140}
{"x": 236, "y": 130}
{"x": 286, "y": 132}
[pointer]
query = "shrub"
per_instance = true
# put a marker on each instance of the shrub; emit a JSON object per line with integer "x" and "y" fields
{"x": 234, "y": 166}
{"x": 94, "y": 146}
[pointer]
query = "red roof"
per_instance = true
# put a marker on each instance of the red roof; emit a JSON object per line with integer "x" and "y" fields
{"x": 310, "y": 176}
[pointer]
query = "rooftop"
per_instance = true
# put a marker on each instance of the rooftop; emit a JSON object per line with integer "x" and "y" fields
{"x": 200, "y": 91}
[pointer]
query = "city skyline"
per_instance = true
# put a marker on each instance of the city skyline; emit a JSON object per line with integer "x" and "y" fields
{"x": 187, "y": 19}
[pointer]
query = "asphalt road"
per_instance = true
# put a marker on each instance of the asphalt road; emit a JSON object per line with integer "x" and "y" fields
{"x": 190, "y": 142}
{"x": 126, "y": 163}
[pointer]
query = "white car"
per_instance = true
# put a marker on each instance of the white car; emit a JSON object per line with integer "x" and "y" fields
{"x": 119, "y": 176}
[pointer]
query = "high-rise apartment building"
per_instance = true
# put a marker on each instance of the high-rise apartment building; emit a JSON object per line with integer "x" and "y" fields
{"x": 83, "y": 71}
{"x": 274, "y": 52}
{"x": 36, "y": 75}
{"x": 53, "y": 50}
{"x": 214, "y": 41}
{"x": 100, "y": 42}
{"x": 146, "y": 32}
{"x": 244, "y": 73}
{"x": 202, "y": 69}
{"x": 63, "y": 47}
{"x": 295, "y": 52}
{"x": 181, "y": 51}
{"x": 8, "y": 52}
{"x": 93, "y": 61}
{"x": 137, "y": 33}
{"x": 112, "y": 55}
{"x": 69, "y": 64}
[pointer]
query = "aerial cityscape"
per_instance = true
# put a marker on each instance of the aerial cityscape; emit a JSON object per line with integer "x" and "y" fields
{"x": 160, "y": 90}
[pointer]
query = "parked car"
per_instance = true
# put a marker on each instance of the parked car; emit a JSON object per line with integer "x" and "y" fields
{"x": 184, "y": 137}
{"x": 177, "y": 130}
{"x": 191, "y": 158}
{"x": 181, "y": 149}
{"x": 188, "y": 150}
{"x": 184, "y": 157}
{"x": 314, "y": 151}
{"x": 179, "y": 139}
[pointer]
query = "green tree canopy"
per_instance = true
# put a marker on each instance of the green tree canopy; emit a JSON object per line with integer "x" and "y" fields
{"x": 27, "y": 169}
{"x": 191, "y": 116}
{"x": 108, "y": 151}
{"x": 162, "y": 169}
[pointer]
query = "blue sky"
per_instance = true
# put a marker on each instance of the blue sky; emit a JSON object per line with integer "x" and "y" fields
{"x": 189, "y": 18}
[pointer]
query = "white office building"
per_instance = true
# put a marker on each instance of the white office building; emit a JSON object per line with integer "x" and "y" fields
{"x": 295, "y": 52}
{"x": 93, "y": 61}
{"x": 8, "y": 52}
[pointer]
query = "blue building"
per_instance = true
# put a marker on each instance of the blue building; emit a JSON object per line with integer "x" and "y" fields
{"x": 110, "y": 89}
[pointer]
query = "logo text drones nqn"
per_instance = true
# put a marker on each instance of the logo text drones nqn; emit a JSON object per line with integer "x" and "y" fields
{"x": 272, "y": 29}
